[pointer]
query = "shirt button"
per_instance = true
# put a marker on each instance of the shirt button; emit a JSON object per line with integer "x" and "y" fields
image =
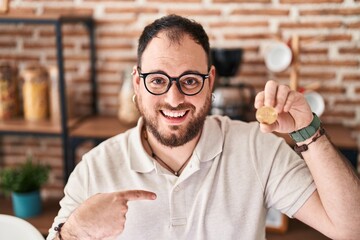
{"x": 177, "y": 188}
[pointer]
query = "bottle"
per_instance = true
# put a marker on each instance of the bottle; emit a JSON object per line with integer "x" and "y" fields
{"x": 54, "y": 94}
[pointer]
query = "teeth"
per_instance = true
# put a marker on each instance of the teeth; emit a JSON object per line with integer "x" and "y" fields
{"x": 174, "y": 114}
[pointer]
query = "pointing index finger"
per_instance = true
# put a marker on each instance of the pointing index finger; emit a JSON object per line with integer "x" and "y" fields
{"x": 133, "y": 195}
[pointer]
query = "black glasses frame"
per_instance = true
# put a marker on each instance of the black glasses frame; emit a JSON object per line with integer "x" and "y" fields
{"x": 172, "y": 79}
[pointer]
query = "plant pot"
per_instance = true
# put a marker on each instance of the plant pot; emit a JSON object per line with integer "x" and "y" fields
{"x": 26, "y": 205}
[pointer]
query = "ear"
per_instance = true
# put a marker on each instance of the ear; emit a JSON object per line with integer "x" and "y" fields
{"x": 136, "y": 79}
{"x": 212, "y": 76}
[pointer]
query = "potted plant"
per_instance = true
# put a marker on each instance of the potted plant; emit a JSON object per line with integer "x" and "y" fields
{"x": 24, "y": 183}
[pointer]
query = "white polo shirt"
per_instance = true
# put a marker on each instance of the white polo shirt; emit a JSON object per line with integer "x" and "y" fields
{"x": 234, "y": 175}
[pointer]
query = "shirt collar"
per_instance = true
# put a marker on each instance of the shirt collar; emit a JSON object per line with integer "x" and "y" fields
{"x": 211, "y": 141}
{"x": 209, "y": 146}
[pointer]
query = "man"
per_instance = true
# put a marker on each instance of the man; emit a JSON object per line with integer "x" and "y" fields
{"x": 181, "y": 174}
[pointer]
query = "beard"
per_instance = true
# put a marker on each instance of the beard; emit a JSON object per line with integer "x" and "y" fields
{"x": 184, "y": 133}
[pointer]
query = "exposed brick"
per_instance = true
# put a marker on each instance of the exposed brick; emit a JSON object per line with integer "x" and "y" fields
{"x": 351, "y": 77}
{"x": 19, "y": 58}
{"x": 95, "y": 1}
{"x": 21, "y": 11}
{"x": 66, "y": 32}
{"x": 265, "y": 12}
{"x": 242, "y": 1}
{"x": 255, "y": 36}
{"x": 191, "y": 12}
{"x": 329, "y": 24}
{"x": 115, "y": 22}
{"x": 81, "y": 80}
{"x": 121, "y": 59}
{"x": 332, "y": 90}
{"x": 250, "y": 49}
{"x": 326, "y": 38}
{"x": 106, "y": 71}
{"x": 54, "y": 1}
{"x": 111, "y": 46}
{"x": 350, "y": 50}
{"x": 222, "y": 24}
{"x": 7, "y": 44}
{"x": 175, "y": 1}
{"x": 108, "y": 95}
{"x": 250, "y": 74}
{"x": 121, "y": 35}
{"x": 348, "y": 102}
{"x": 313, "y": 51}
{"x": 15, "y": 32}
{"x": 329, "y": 63}
{"x": 353, "y": 25}
{"x": 135, "y": 10}
{"x": 44, "y": 45}
{"x": 311, "y": 1}
{"x": 67, "y": 10}
{"x": 72, "y": 58}
{"x": 318, "y": 76}
{"x": 340, "y": 114}
{"x": 330, "y": 11}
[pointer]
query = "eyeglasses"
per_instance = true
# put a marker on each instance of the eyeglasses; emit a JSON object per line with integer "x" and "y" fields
{"x": 188, "y": 83}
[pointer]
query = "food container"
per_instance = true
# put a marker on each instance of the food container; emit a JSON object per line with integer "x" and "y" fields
{"x": 9, "y": 104}
{"x": 35, "y": 91}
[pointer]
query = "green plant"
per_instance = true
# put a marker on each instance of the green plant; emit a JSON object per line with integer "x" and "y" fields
{"x": 27, "y": 177}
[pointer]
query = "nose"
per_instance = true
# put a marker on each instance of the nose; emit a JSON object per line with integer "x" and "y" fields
{"x": 174, "y": 97}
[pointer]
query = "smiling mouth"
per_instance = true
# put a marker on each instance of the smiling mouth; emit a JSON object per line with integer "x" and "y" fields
{"x": 174, "y": 115}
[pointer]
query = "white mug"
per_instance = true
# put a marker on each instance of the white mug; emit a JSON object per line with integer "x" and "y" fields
{"x": 278, "y": 56}
{"x": 316, "y": 102}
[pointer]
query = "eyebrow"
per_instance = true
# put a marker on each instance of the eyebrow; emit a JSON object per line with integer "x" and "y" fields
{"x": 185, "y": 72}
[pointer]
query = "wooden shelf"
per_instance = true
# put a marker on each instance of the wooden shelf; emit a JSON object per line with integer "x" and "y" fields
{"x": 42, "y": 222}
{"x": 99, "y": 127}
{"x": 16, "y": 126}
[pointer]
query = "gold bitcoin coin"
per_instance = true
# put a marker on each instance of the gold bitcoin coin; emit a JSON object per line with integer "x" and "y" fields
{"x": 267, "y": 115}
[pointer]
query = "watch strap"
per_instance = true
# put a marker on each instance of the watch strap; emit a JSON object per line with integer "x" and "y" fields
{"x": 306, "y": 132}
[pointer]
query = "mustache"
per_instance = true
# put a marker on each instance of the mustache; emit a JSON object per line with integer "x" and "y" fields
{"x": 181, "y": 106}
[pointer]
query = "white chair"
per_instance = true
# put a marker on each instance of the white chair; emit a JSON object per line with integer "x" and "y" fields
{"x": 14, "y": 228}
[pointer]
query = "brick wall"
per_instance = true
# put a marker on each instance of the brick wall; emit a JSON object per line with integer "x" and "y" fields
{"x": 329, "y": 32}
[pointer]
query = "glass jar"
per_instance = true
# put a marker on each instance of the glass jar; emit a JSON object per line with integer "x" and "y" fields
{"x": 8, "y": 91}
{"x": 35, "y": 91}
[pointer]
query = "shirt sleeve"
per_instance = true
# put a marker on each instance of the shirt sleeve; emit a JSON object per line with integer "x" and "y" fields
{"x": 286, "y": 179}
{"x": 75, "y": 193}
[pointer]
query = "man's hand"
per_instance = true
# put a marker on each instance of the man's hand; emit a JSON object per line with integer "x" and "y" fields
{"x": 102, "y": 216}
{"x": 293, "y": 111}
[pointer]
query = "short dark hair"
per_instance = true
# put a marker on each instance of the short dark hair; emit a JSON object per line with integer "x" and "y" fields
{"x": 175, "y": 27}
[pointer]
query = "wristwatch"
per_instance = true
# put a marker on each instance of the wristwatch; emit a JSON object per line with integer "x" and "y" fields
{"x": 306, "y": 132}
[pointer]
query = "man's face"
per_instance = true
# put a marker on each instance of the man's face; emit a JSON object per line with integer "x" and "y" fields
{"x": 174, "y": 118}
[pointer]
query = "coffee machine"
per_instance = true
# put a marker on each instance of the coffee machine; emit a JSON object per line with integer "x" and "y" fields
{"x": 233, "y": 99}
